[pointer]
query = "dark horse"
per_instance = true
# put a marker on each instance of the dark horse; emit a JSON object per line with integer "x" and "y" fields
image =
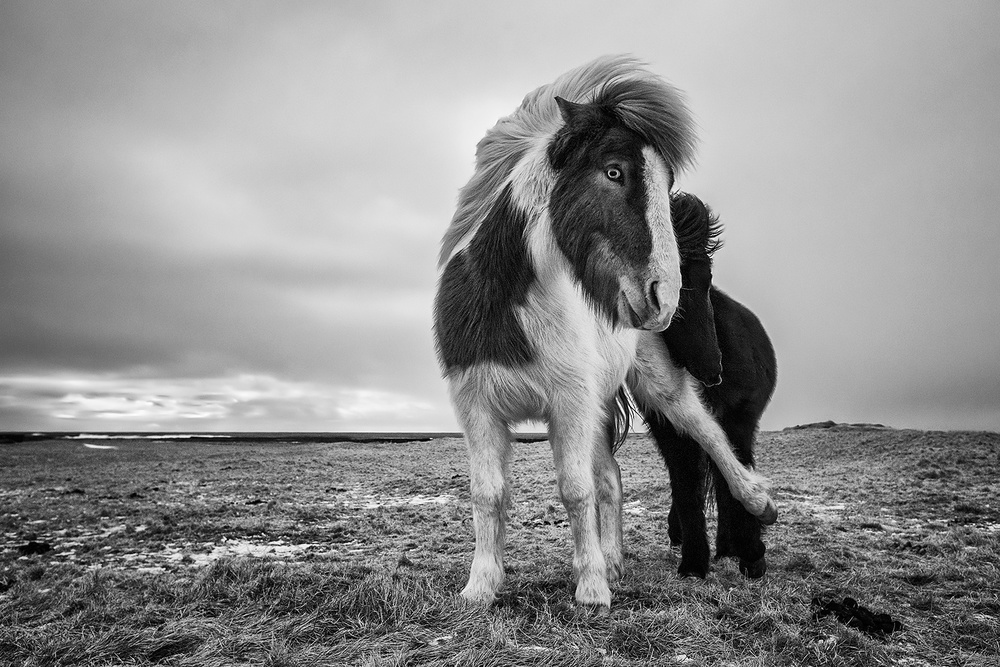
{"x": 724, "y": 345}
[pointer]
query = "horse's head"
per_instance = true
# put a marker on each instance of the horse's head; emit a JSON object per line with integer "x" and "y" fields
{"x": 691, "y": 337}
{"x": 610, "y": 214}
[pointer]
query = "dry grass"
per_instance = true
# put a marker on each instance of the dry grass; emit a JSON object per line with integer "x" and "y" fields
{"x": 352, "y": 554}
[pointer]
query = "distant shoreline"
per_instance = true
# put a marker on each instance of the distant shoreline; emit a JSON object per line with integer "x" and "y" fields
{"x": 15, "y": 437}
{"x": 302, "y": 437}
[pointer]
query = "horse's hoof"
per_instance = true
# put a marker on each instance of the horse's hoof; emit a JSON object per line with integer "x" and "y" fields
{"x": 478, "y": 594}
{"x": 596, "y": 594}
{"x": 753, "y": 569}
{"x": 685, "y": 571}
{"x": 770, "y": 513}
{"x": 477, "y": 600}
{"x": 694, "y": 562}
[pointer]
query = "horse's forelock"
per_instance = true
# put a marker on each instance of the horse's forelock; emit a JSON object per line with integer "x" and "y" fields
{"x": 656, "y": 111}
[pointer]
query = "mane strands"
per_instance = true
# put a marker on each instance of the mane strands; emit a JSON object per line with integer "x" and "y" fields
{"x": 644, "y": 102}
{"x": 698, "y": 228}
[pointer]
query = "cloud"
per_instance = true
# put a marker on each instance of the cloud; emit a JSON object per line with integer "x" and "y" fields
{"x": 217, "y": 191}
{"x": 242, "y": 402}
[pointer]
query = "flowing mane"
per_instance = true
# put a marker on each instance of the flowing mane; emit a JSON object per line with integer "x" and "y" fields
{"x": 698, "y": 228}
{"x": 643, "y": 101}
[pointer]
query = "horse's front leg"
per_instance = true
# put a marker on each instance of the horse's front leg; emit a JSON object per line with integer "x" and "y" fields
{"x": 488, "y": 442}
{"x": 661, "y": 387}
{"x": 608, "y": 477}
{"x": 576, "y": 433}
{"x": 689, "y": 415}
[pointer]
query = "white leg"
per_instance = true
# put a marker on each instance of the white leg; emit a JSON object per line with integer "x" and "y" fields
{"x": 608, "y": 478}
{"x": 488, "y": 442}
{"x": 689, "y": 416}
{"x": 575, "y": 435}
{"x": 655, "y": 382}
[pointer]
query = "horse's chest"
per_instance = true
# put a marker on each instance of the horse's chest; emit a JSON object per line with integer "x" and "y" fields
{"x": 571, "y": 340}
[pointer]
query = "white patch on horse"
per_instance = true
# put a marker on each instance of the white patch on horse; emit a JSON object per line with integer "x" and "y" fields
{"x": 569, "y": 335}
{"x": 665, "y": 254}
{"x": 532, "y": 180}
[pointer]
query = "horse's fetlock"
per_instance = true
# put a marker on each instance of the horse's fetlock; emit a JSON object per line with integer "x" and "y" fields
{"x": 593, "y": 591}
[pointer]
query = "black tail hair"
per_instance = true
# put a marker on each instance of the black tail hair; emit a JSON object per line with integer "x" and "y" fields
{"x": 622, "y": 422}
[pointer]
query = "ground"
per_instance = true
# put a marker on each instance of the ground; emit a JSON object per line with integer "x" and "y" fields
{"x": 329, "y": 553}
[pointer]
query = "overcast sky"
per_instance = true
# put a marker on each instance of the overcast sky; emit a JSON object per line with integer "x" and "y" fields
{"x": 226, "y": 215}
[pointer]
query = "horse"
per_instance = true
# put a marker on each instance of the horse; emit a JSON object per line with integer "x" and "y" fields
{"x": 724, "y": 345}
{"x": 559, "y": 257}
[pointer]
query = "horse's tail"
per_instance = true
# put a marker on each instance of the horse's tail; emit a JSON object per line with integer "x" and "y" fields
{"x": 621, "y": 423}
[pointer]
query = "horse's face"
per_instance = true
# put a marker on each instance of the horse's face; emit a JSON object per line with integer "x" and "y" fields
{"x": 610, "y": 213}
{"x": 691, "y": 337}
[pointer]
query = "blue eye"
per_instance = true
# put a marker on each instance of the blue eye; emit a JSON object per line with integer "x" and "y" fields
{"x": 614, "y": 174}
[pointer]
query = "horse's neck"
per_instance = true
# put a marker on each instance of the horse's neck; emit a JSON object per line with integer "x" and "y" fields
{"x": 557, "y": 309}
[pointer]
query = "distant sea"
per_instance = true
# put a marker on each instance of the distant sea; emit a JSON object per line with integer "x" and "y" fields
{"x": 7, "y": 438}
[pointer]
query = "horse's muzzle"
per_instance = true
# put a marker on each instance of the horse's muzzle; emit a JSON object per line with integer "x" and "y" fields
{"x": 661, "y": 304}
{"x": 650, "y": 309}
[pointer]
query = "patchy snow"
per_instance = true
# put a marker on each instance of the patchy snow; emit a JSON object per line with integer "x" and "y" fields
{"x": 77, "y": 545}
{"x": 370, "y": 501}
{"x": 634, "y": 507}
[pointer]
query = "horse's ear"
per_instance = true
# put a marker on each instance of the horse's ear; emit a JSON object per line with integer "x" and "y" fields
{"x": 568, "y": 110}
{"x": 562, "y": 142}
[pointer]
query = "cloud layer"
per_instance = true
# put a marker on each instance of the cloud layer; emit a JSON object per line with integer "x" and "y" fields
{"x": 198, "y": 201}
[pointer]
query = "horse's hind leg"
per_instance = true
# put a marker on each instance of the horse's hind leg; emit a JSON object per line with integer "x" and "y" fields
{"x": 577, "y": 440}
{"x": 739, "y": 533}
{"x": 685, "y": 464}
{"x": 488, "y": 442}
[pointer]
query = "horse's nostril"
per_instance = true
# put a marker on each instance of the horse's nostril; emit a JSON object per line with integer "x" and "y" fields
{"x": 651, "y": 296}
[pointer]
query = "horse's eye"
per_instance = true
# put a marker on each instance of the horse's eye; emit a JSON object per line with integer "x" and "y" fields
{"x": 614, "y": 174}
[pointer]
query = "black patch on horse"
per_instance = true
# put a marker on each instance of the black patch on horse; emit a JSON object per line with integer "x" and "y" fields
{"x": 585, "y": 217}
{"x": 474, "y": 310}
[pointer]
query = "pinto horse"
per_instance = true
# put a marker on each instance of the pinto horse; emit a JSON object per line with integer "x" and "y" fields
{"x": 560, "y": 256}
{"x": 722, "y": 344}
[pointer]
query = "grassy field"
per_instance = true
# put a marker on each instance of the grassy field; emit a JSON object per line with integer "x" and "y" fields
{"x": 185, "y": 553}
